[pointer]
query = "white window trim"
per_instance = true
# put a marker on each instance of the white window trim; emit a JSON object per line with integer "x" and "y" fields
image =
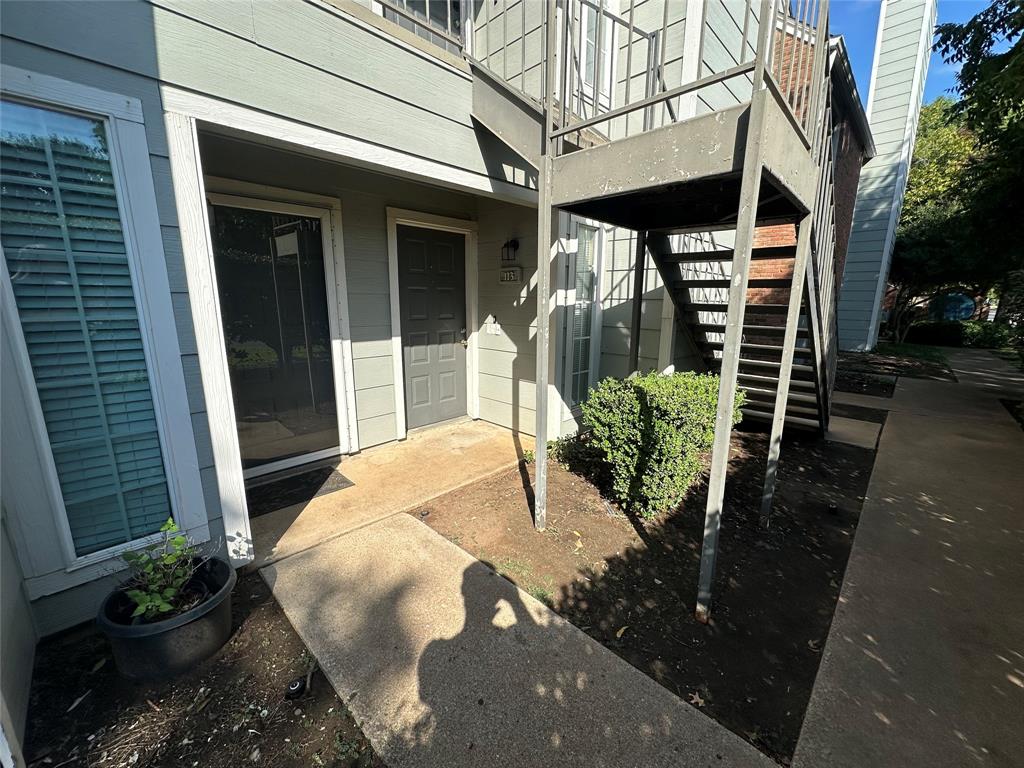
{"x": 327, "y": 211}
{"x": 572, "y": 409}
{"x": 396, "y": 216}
{"x": 136, "y": 196}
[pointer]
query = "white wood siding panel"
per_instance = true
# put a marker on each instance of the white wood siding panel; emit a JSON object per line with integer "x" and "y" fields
{"x": 894, "y": 104}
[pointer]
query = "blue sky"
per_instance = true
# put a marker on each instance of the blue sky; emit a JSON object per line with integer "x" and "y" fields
{"x": 857, "y": 21}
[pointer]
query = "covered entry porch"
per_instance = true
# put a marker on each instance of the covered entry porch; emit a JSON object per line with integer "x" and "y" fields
{"x": 389, "y": 479}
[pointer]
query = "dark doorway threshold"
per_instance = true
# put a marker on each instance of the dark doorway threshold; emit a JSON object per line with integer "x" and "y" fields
{"x": 297, "y": 485}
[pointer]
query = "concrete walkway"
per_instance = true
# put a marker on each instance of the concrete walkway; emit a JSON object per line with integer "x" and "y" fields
{"x": 444, "y": 663}
{"x": 389, "y": 479}
{"x": 924, "y": 663}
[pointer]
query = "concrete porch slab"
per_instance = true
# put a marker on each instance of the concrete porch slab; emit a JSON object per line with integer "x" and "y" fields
{"x": 863, "y": 434}
{"x": 445, "y": 663}
{"x": 388, "y": 479}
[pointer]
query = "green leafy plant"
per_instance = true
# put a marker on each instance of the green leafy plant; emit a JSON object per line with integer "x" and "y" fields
{"x": 654, "y": 431}
{"x": 161, "y": 574}
{"x": 963, "y": 333}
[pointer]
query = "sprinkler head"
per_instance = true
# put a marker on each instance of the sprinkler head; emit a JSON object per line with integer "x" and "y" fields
{"x": 295, "y": 688}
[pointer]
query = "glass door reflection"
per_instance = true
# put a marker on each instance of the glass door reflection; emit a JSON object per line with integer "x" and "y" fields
{"x": 275, "y": 315}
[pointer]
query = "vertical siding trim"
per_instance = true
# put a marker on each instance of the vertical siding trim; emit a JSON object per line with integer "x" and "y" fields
{"x": 197, "y": 251}
{"x": 468, "y": 229}
{"x": 910, "y": 134}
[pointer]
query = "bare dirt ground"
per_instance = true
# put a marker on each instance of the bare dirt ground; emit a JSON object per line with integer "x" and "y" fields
{"x": 231, "y": 711}
{"x": 875, "y": 373}
{"x": 631, "y": 584}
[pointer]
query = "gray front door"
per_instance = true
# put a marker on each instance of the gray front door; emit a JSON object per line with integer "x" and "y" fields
{"x": 432, "y": 298}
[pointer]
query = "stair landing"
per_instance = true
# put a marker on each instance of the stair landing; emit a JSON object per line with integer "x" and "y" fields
{"x": 687, "y": 175}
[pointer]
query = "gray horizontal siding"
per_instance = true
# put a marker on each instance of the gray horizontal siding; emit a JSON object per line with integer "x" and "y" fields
{"x": 507, "y": 361}
{"x": 894, "y": 105}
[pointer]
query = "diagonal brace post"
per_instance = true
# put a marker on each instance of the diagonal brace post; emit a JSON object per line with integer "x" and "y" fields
{"x": 796, "y": 292}
{"x": 753, "y": 164}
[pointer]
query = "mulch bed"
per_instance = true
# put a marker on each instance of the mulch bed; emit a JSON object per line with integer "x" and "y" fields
{"x": 231, "y": 711}
{"x": 631, "y": 584}
{"x": 895, "y": 365}
{"x": 861, "y": 383}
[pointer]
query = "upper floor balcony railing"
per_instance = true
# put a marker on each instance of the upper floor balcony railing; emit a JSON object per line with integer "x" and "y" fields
{"x": 652, "y": 66}
{"x": 439, "y": 21}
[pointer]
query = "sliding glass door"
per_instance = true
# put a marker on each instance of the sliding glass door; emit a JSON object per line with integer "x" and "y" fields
{"x": 276, "y": 315}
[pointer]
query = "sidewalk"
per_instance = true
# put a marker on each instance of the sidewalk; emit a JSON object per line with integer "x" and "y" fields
{"x": 444, "y": 663}
{"x": 924, "y": 663}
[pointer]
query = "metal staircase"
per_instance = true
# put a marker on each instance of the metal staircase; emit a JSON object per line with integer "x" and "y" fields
{"x": 665, "y": 159}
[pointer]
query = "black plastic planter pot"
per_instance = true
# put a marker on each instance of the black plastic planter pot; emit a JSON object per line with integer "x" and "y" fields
{"x": 163, "y": 649}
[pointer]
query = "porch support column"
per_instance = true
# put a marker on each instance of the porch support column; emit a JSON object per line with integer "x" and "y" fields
{"x": 753, "y": 162}
{"x": 796, "y": 292}
{"x": 639, "y": 273}
{"x": 545, "y": 215}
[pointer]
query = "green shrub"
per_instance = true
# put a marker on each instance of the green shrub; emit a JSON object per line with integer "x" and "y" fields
{"x": 943, "y": 333}
{"x": 981, "y": 333}
{"x": 653, "y": 432}
{"x": 962, "y": 333}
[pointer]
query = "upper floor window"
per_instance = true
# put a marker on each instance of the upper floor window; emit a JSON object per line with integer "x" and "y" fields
{"x": 439, "y": 21}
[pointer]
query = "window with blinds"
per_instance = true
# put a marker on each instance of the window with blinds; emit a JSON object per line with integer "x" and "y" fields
{"x": 63, "y": 243}
{"x": 583, "y": 313}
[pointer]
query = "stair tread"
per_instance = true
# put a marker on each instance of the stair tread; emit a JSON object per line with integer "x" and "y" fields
{"x": 768, "y": 364}
{"x": 801, "y": 331}
{"x": 795, "y": 396}
{"x": 724, "y": 282}
{"x": 726, "y": 254}
{"x": 799, "y": 383}
{"x": 813, "y": 423}
{"x": 765, "y": 347}
{"x": 764, "y": 309}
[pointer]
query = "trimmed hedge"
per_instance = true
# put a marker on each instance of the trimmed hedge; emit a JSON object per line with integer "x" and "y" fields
{"x": 962, "y": 333}
{"x": 653, "y": 432}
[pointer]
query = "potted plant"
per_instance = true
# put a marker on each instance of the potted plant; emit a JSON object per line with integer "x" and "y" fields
{"x": 173, "y": 612}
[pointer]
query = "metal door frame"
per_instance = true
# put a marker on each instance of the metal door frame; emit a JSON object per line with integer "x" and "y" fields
{"x": 467, "y": 228}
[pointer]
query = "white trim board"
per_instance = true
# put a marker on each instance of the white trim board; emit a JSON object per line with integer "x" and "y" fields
{"x": 340, "y": 148}
{"x": 197, "y": 252}
{"x": 468, "y": 228}
{"x": 138, "y": 213}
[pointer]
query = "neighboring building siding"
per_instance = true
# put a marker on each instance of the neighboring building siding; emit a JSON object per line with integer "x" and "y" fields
{"x": 897, "y": 88}
{"x": 17, "y": 642}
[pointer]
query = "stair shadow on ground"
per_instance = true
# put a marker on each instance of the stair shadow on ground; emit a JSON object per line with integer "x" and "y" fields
{"x": 753, "y": 667}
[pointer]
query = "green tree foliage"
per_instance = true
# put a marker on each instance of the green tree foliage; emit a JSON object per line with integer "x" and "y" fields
{"x": 933, "y": 251}
{"x": 990, "y": 51}
{"x": 962, "y": 223}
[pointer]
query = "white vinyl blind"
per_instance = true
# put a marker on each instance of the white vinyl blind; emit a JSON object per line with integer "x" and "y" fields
{"x": 63, "y": 242}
